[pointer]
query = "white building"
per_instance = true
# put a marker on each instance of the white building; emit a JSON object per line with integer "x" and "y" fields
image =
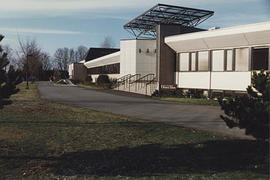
{"x": 221, "y": 59}
{"x": 185, "y": 57}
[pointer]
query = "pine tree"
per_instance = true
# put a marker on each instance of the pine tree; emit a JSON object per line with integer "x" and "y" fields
{"x": 8, "y": 80}
{"x": 252, "y": 110}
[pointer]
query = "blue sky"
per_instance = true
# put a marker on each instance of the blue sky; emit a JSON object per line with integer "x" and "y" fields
{"x": 70, "y": 23}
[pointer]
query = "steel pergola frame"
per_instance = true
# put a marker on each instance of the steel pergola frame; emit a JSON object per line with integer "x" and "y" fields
{"x": 144, "y": 26}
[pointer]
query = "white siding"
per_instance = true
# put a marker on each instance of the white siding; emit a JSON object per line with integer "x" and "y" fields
{"x": 239, "y": 36}
{"x": 196, "y": 80}
{"x": 137, "y": 57}
{"x": 146, "y": 60}
{"x": 128, "y": 57}
{"x": 230, "y": 80}
{"x": 70, "y": 70}
{"x": 104, "y": 60}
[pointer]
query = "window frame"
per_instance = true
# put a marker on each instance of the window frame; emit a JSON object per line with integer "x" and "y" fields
{"x": 248, "y": 61}
{"x": 208, "y": 59}
{"x": 179, "y": 61}
{"x": 223, "y": 66}
{"x": 196, "y": 61}
{"x": 226, "y": 60}
{"x": 252, "y": 57}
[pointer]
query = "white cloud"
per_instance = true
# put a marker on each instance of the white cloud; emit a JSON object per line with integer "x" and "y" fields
{"x": 22, "y": 8}
{"x": 37, "y": 31}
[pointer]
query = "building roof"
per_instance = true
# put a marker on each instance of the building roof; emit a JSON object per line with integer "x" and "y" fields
{"x": 94, "y": 53}
{"x": 104, "y": 60}
{"x": 145, "y": 24}
{"x": 238, "y": 36}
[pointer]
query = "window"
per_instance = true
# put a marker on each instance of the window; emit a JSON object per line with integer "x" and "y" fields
{"x": 203, "y": 61}
{"x": 193, "y": 62}
{"x": 241, "y": 59}
{"x": 184, "y": 61}
{"x": 218, "y": 60}
{"x": 229, "y": 60}
{"x": 260, "y": 59}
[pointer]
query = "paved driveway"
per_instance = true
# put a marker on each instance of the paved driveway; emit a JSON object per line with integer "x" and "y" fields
{"x": 197, "y": 116}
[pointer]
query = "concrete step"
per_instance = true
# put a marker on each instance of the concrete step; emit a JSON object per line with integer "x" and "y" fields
{"x": 139, "y": 88}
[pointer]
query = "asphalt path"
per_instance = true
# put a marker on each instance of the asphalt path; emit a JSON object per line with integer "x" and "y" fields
{"x": 188, "y": 115}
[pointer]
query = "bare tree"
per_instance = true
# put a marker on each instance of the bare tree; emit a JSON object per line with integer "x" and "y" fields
{"x": 62, "y": 58}
{"x": 80, "y": 53}
{"x": 46, "y": 61}
{"x": 30, "y": 57}
{"x": 108, "y": 42}
{"x": 33, "y": 60}
{"x": 71, "y": 56}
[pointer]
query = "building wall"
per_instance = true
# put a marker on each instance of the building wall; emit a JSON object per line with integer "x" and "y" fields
{"x": 193, "y": 80}
{"x": 77, "y": 71}
{"x": 233, "y": 81}
{"x": 70, "y": 71}
{"x": 146, "y": 57}
{"x": 128, "y": 57}
{"x": 111, "y": 76}
{"x": 137, "y": 57}
{"x": 165, "y": 54}
{"x": 221, "y": 59}
{"x": 236, "y": 81}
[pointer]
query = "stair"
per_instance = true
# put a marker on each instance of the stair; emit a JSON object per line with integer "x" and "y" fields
{"x": 145, "y": 85}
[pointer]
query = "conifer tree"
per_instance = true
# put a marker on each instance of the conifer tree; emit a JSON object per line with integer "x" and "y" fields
{"x": 252, "y": 110}
{"x": 8, "y": 80}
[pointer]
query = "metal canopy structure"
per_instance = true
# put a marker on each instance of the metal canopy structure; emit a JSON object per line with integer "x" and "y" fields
{"x": 145, "y": 24}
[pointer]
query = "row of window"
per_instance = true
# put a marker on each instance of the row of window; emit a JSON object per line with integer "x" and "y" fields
{"x": 107, "y": 69}
{"x": 224, "y": 60}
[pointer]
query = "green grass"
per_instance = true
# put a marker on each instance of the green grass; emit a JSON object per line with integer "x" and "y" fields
{"x": 89, "y": 86}
{"x": 44, "y": 140}
{"x": 199, "y": 101}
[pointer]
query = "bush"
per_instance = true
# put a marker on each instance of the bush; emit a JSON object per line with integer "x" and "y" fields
{"x": 250, "y": 111}
{"x": 169, "y": 93}
{"x": 194, "y": 93}
{"x": 104, "y": 80}
{"x": 88, "y": 80}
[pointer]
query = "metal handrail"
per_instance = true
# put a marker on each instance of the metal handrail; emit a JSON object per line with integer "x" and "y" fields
{"x": 143, "y": 81}
{"x": 123, "y": 77}
{"x": 137, "y": 76}
{"x": 142, "y": 78}
{"x": 121, "y": 80}
{"x": 130, "y": 80}
{"x": 151, "y": 83}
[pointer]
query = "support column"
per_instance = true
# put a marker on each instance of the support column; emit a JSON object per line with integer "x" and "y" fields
{"x": 166, "y": 57}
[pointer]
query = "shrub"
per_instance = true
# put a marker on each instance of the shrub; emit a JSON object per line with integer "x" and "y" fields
{"x": 250, "y": 111}
{"x": 194, "y": 93}
{"x": 88, "y": 80}
{"x": 168, "y": 93}
{"x": 104, "y": 80}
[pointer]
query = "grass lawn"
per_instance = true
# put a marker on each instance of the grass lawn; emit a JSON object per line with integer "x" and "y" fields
{"x": 44, "y": 140}
{"x": 200, "y": 101}
{"x": 89, "y": 86}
